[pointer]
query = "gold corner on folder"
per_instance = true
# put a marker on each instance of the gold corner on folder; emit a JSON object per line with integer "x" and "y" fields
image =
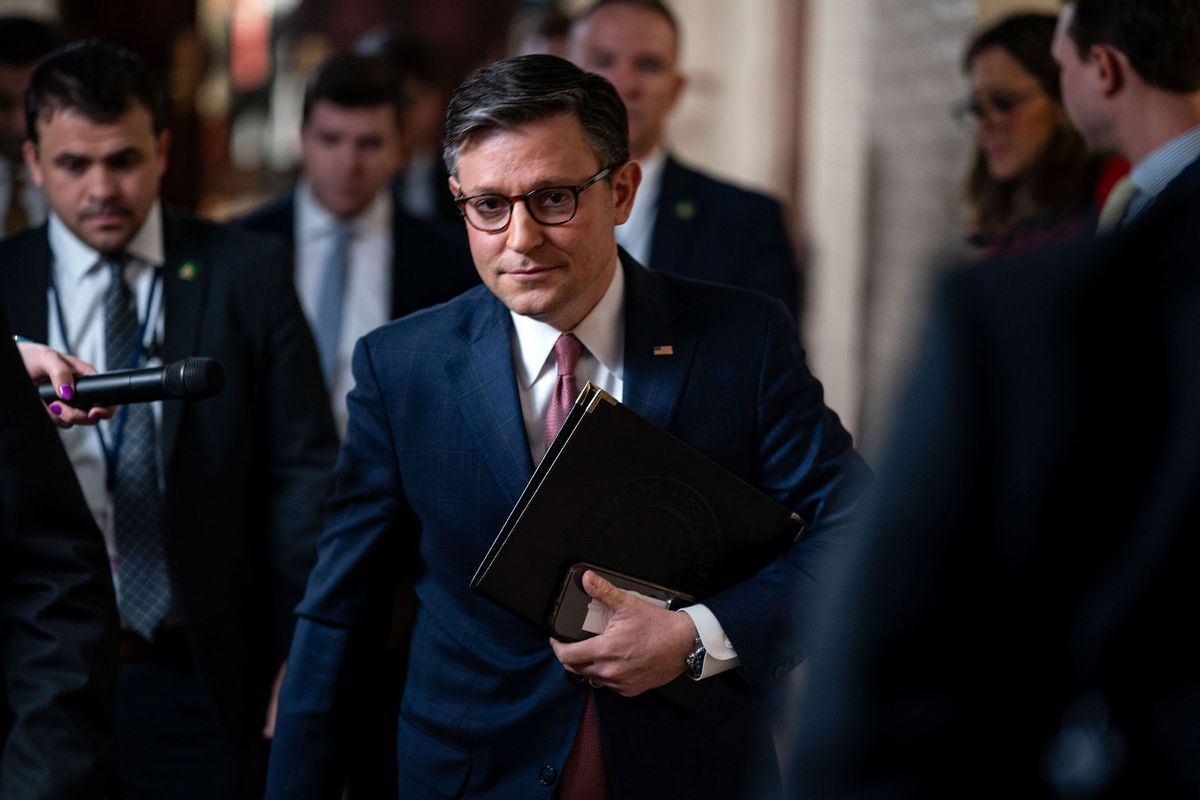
{"x": 592, "y": 395}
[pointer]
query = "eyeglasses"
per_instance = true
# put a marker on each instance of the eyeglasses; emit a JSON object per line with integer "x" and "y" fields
{"x": 1000, "y": 103}
{"x": 550, "y": 205}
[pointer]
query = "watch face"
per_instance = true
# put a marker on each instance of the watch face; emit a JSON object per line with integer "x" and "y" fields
{"x": 695, "y": 662}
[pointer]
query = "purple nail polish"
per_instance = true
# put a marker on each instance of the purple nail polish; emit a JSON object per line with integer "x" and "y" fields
{"x": 65, "y": 391}
{"x": 55, "y": 408}
{"x": 93, "y": 415}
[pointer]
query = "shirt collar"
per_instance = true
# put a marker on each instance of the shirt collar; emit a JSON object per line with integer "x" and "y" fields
{"x": 652, "y": 169}
{"x": 1152, "y": 174}
{"x": 314, "y": 221}
{"x": 75, "y": 258}
{"x": 602, "y": 332}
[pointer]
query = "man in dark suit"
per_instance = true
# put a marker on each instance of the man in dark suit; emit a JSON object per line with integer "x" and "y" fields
{"x": 1015, "y": 620}
{"x": 209, "y": 508}
{"x": 58, "y": 617}
{"x": 359, "y": 258}
{"x": 684, "y": 221}
{"x": 1131, "y": 86}
{"x": 452, "y": 408}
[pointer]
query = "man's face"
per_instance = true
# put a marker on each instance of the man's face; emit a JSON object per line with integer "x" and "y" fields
{"x": 554, "y": 273}
{"x": 1082, "y": 89}
{"x": 101, "y": 179}
{"x": 349, "y": 154}
{"x": 13, "y": 82}
{"x": 635, "y": 49}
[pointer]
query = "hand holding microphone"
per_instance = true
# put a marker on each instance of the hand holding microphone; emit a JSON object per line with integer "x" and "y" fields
{"x": 44, "y": 363}
{"x": 192, "y": 378}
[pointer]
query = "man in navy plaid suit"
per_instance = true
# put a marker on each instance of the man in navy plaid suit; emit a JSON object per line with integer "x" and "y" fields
{"x": 449, "y": 416}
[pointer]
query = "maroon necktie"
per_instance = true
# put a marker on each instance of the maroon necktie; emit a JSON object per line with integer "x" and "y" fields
{"x": 583, "y": 776}
{"x": 566, "y": 351}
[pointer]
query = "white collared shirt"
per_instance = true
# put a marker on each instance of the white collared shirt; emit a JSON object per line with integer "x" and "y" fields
{"x": 637, "y": 234}
{"x": 367, "y": 301}
{"x": 602, "y": 333}
{"x": 81, "y": 282}
{"x": 1154, "y": 172}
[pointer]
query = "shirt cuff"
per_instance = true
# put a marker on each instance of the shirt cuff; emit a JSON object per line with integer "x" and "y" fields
{"x": 719, "y": 653}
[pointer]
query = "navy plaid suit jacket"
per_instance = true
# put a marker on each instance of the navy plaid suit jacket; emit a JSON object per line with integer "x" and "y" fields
{"x": 435, "y": 457}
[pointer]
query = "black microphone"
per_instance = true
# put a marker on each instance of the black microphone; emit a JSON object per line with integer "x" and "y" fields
{"x": 192, "y": 378}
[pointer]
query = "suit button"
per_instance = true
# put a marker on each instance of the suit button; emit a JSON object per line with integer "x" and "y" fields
{"x": 548, "y": 775}
{"x": 578, "y": 680}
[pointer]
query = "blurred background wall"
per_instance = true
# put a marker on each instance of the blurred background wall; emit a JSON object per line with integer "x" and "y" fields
{"x": 838, "y": 107}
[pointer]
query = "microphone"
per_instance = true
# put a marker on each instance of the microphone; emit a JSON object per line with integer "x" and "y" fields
{"x": 192, "y": 378}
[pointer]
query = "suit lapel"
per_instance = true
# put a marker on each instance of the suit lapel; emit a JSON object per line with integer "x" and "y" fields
{"x": 483, "y": 378}
{"x": 185, "y": 287}
{"x": 677, "y": 208}
{"x": 24, "y": 282}
{"x": 658, "y": 353}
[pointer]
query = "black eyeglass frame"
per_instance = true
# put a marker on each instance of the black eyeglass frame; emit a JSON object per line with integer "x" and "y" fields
{"x": 971, "y": 111}
{"x": 462, "y": 200}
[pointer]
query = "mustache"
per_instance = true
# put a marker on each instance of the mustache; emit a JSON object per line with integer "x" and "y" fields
{"x": 106, "y": 209}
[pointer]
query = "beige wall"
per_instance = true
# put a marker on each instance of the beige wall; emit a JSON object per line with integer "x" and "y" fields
{"x": 733, "y": 119}
{"x": 993, "y": 8}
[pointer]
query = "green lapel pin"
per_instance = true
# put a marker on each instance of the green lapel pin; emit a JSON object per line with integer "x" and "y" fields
{"x": 685, "y": 209}
{"x": 187, "y": 270}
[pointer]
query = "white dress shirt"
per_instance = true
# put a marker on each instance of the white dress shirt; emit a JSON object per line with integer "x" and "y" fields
{"x": 1152, "y": 174}
{"x": 637, "y": 234}
{"x": 81, "y": 281}
{"x": 367, "y": 300}
{"x": 32, "y": 198}
{"x": 602, "y": 333}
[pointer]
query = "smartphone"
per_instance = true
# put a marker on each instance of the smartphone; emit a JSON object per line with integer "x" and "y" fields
{"x": 576, "y": 616}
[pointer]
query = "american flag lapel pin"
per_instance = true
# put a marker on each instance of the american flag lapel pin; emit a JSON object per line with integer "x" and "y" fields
{"x": 664, "y": 350}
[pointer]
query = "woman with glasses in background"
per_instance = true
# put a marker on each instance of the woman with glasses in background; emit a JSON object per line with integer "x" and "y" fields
{"x": 1031, "y": 180}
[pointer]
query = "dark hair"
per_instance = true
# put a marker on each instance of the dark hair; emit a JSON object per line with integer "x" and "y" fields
{"x": 1063, "y": 179}
{"x": 1028, "y": 39}
{"x": 1161, "y": 38}
{"x": 24, "y": 41}
{"x": 97, "y": 79}
{"x": 524, "y": 89}
{"x": 355, "y": 81}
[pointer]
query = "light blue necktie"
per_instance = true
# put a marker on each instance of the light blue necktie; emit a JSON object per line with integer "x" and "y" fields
{"x": 143, "y": 582}
{"x": 327, "y": 324}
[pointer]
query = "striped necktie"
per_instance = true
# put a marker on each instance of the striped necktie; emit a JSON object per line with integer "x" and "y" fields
{"x": 143, "y": 583}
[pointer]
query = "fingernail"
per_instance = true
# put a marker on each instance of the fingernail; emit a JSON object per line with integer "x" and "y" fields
{"x": 55, "y": 408}
{"x": 65, "y": 391}
{"x": 93, "y": 415}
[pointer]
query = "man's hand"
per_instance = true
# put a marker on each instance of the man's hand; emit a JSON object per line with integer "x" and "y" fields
{"x": 642, "y": 648}
{"x": 268, "y": 730}
{"x": 42, "y": 363}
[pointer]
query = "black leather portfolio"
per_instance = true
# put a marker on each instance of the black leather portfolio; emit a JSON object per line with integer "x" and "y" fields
{"x": 616, "y": 491}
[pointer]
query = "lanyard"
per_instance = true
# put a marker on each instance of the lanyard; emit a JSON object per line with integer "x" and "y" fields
{"x": 112, "y": 450}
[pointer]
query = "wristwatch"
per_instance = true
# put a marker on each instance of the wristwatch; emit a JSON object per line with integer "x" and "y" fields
{"x": 693, "y": 663}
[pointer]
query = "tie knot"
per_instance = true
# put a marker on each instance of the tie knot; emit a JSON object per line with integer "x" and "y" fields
{"x": 566, "y": 352}
{"x": 115, "y": 264}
